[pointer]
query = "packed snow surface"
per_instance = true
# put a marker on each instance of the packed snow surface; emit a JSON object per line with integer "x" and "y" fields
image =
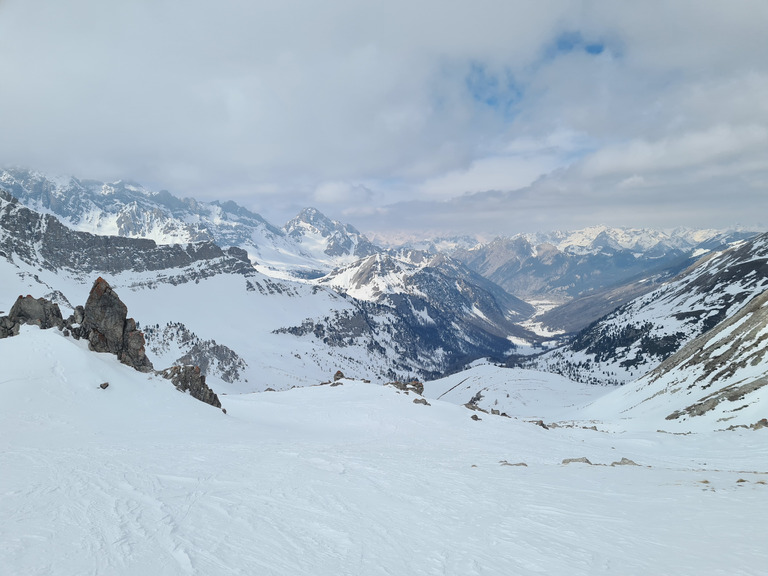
{"x": 355, "y": 479}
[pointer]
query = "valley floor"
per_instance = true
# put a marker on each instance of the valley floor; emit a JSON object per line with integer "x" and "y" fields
{"x": 352, "y": 479}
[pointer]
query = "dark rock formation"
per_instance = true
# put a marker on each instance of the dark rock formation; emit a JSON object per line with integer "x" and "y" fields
{"x": 108, "y": 329}
{"x": 40, "y": 311}
{"x": 190, "y": 379}
{"x": 29, "y": 310}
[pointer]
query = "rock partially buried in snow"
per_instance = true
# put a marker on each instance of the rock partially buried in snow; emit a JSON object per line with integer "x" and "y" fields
{"x": 625, "y": 462}
{"x": 190, "y": 379}
{"x": 412, "y": 386}
{"x": 582, "y": 460}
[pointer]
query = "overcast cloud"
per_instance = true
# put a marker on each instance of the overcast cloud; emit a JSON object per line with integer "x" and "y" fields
{"x": 445, "y": 116}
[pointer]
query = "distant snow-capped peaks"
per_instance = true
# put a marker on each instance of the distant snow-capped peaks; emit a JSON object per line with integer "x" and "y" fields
{"x": 322, "y": 237}
{"x": 632, "y": 239}
{"x": 426, "y": 242}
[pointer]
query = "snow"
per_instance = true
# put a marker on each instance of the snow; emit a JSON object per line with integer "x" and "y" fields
{"x": 220, "y": 308}
{"x": 514, "y": 391}
{"x": 354, "y": 479}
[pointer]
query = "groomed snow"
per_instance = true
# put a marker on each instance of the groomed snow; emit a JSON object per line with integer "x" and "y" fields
{"x": 354, "y": 479}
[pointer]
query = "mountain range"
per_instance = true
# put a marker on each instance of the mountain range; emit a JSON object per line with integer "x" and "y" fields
{"x": 261, "y": 306}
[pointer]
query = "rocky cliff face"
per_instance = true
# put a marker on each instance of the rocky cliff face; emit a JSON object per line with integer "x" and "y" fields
{"x": 44, "y": 241}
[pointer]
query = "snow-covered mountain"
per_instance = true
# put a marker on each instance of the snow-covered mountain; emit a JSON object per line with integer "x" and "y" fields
{"x": 561, "y": 266}
{"x": 639, "y": 335}
{"x": 717, "y": 380}
{"x": 328, "y": 241}
{"x": 425, "y": 303}
{"x": 310, "y": 246}
{"x": 209, "y": 306}
{"x": 517, "y": 392}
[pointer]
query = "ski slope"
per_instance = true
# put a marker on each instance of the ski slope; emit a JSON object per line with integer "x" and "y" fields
{"x": 354, "y": 479}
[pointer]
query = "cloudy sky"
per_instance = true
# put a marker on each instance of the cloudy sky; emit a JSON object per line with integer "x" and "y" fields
{"x": 492, "y": 116}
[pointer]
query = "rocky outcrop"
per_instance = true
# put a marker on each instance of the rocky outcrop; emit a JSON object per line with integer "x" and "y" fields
{"x": 412, "y": 386}
{"x": 191, "y": 379}
{"x": 29, "y": 310}
{"x": 108, "y": 329}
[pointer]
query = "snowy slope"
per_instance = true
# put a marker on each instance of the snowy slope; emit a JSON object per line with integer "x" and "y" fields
{"x": 353, "y": 479}
{"x": 245, "y": 314}
{"x": 513, "y": 391}
{"x": 636, "y": 337}
{"x": 719, "y": 379}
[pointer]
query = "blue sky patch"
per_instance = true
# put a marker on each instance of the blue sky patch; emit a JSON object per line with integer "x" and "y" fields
{"x": 574, "y": 41}
{"x": 498, "y": 91}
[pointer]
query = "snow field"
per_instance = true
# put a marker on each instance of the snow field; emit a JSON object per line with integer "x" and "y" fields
{"x": 352, "y": 479}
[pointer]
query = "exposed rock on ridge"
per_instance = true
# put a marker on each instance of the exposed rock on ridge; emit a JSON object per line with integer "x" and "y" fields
{"x": 44, "y": 241}
{"x": 29, "y": 310}
{"x": 103, "y": 322}
{"x": 108, "y": 328}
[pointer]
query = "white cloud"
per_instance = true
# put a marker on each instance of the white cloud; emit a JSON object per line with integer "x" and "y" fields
{"x": 492, "y": 173}
{"x": 342, "y": 193}
{"x": 719, "y": 143}
{"x": 280, "y": 105}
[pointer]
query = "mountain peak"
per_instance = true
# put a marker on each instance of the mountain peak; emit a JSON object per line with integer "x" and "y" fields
{"x": 314, "y": 218}
{"x": 314, "y": 230}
